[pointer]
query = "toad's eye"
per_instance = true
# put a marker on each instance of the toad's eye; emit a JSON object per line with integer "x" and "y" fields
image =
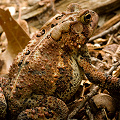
{"x": 85, "y": 19}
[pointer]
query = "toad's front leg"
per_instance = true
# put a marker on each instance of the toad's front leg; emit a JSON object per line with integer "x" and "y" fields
{"x": 44, "y": 107}
{"x": 85, "y": 53}
{"x": 112, "y": 84}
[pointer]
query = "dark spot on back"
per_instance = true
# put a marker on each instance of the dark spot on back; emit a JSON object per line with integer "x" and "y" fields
{"x": 61, "y": 70}
{"x": 27, "y": 53}
{"x": 59, "y": 17}
{"x": 60, "y": 77}
{"x": 52, "y": 25}
{"x": 43, "y": 31}
{"x": 25, "y": 100}
{"x": 20, "y": 63}
{"x": 50, "y": 114}
{"x": 71, "y": 77}
{"x": 26, "y": 62}
{"x": 38, "y": 34}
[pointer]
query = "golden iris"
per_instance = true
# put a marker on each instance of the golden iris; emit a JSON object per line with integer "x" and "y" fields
{"x": 85, "y": 19}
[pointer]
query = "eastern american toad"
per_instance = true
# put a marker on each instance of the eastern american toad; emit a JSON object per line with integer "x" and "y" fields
{"x": 45, "y": 75}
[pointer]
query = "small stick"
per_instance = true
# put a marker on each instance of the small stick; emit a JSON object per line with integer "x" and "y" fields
{"x": 114, "y": 66}
{"x": 87, "y": 97}
{"x": 88, "y": 112}
{"x": 111, "y": 29}
{"x": 110, "y": 40}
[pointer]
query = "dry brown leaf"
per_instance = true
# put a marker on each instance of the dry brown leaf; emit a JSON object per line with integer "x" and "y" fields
{"x": 17, "y": 37}
{"x": 24, "y": 25}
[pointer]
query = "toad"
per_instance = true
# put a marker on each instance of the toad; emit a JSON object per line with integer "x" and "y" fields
{"x": 47, "y": 72}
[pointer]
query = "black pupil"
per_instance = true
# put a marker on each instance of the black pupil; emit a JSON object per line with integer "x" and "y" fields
{"x": 88, "y": 16}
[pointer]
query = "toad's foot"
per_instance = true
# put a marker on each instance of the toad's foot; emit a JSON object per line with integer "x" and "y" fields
{"x": 112, "y": 84}
{"x": 50, "y": 108}
{"x": 38, "y": 113}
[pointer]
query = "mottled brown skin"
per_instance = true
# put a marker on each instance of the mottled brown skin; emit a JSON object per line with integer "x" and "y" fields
{"x": 112, "y": 84}
{"x": 45, "y": 74}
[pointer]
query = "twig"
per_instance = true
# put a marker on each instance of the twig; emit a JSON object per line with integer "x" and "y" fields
{"x": 100, "y": 61}
{"x": 88, "y": 96}
{"x": 108, "y": 24}
{"x": 114, "y": 66}
{"x": 88, "y": 112}
{"x": 111, "y": 29}
{"x": 110, "y": 40}
{"x": 116, "y": 54}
